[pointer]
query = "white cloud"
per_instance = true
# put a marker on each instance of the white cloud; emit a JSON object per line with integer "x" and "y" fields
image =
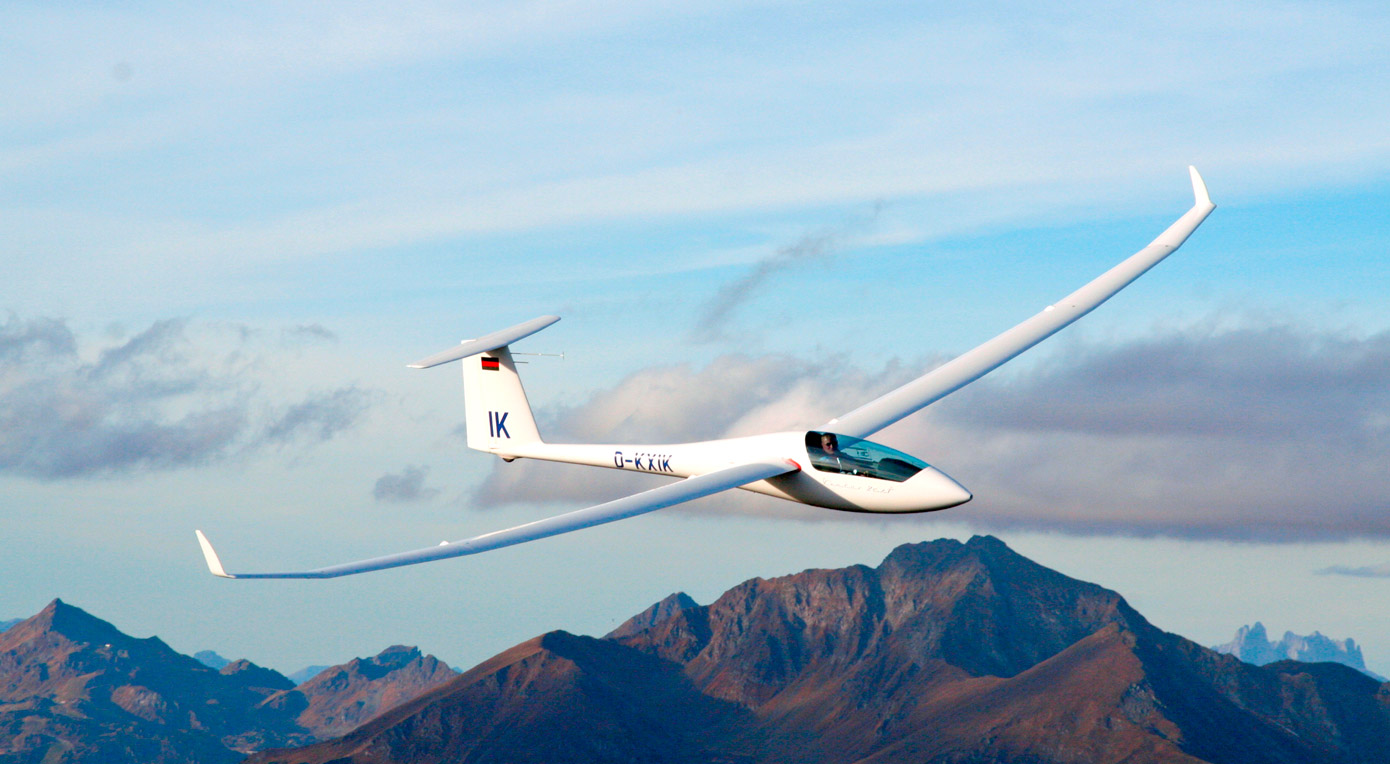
{"x": 1271, "y": 98}
{"x": 156, "y": 400}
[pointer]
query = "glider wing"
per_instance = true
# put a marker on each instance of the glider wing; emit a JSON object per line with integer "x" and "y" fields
{"x": 630, "y": 506}
{"x": 964, "y": 369}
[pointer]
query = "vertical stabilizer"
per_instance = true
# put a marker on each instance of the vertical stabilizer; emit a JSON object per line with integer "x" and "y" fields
{"x": 498, "y": 414}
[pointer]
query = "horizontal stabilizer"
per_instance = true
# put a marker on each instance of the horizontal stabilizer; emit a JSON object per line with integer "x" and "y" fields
{"x": 489, "y": 342}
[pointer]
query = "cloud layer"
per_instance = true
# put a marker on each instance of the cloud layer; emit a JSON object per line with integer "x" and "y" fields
{"x": 409, "y": 485}
{"x": 155, "y": 400}
{"x": 1367, "y": 571}
{"x": 1273, "y": 433}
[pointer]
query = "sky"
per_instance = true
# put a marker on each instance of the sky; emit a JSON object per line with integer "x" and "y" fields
{"x": 225, "y": 229}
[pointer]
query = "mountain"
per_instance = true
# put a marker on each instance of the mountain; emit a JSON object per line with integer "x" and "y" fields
{"x": 654, "y": 615}
{"x": 339, "y": 698}
{"x": 1252, "y": 645}
{"x": 946, "y": 652}
{"x": 74, "y": 688}
{"x": 305, "y": 674}
{"x": 7, "y": 624}
{"x": 210, "y": 659}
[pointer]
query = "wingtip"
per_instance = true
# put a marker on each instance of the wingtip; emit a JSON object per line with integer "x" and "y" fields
{"x": 210, "y": 556}
{"x": 1199, "y": 188}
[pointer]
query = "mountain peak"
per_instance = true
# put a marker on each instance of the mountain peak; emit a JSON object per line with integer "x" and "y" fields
{"x": 668, "y": 607}
{"x": 71, "y": 622}
{"x": 396, "y": 656}
{"x": 256, "y": 676}
{"x": 339, "y": 698}
{"x": 1253, "y": 645}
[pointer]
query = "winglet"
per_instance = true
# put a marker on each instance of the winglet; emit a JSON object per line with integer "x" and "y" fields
{"x": 210, "y": 555}
{"x": 1199, "y": 188}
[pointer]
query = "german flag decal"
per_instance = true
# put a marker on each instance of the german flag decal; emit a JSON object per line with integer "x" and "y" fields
{"x": 491, "y": 364}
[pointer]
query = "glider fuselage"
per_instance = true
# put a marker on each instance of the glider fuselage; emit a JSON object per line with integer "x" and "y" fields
{"x": 863, "y": 477}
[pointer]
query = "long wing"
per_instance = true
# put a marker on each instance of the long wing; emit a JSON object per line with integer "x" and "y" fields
{"x": 964, "y": 369}
{"x": 630, "y": 506}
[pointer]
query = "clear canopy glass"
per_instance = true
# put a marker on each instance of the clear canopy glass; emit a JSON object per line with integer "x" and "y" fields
{"x": 854, "y": 456}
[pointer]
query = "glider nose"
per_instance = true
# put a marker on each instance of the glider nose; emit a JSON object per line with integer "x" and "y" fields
{"x": 946, "y": 492}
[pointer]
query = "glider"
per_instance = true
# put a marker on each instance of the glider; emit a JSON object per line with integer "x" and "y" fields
{"x": 832, "y": 466}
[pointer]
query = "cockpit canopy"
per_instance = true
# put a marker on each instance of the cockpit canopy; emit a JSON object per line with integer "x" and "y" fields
{"x": 854, "y": 456}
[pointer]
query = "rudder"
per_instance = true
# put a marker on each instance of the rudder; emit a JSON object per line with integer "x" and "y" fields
{"x": 497, "y": 414}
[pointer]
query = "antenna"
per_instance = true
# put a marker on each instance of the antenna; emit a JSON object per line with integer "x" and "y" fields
{"x": 561, "y": 356}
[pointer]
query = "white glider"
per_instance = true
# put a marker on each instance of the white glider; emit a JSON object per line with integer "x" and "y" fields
{"x": 832, "y": 466}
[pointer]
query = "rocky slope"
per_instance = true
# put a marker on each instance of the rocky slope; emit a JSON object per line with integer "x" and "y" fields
{"x": 73, "y": 688}
{"x": 339, "y": 698}
{"x": 946, "y": 652}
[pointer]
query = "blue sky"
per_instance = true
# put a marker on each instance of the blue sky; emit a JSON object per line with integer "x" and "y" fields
{"x": 225, "y": 230}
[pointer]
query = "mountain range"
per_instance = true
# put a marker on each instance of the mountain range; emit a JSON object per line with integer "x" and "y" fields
{"x": 1253, "y": 645}
{"x": 73, "y": 688}
{"x": 945, "y": 652}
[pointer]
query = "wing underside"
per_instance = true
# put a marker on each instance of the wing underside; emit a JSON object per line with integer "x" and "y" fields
{"x": 966, "y": 368}
{"x": 630, "y": 506}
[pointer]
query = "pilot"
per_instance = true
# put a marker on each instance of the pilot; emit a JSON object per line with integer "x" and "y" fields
{"x": 834, "y": 457}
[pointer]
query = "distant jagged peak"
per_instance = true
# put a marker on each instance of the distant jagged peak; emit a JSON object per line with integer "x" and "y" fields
{"x": 373, "y": 668}
{"x": 308, "y": 672}
{"x": 1252, "y": 645}
{"x": 396, "y": 656}
{"x": 338, "y": 698}
{"x": 211, "y": 659}
{"x": 256, "y": 676}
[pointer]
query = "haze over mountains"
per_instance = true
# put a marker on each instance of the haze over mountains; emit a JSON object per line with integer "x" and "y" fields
{"x": 945, "y": 652}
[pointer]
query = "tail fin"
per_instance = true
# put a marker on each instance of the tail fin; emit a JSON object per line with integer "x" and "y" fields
{"x": 498, "y": 414}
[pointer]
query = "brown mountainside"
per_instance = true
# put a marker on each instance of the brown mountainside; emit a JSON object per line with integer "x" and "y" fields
{"x": 74, "y": 688}
{"x": 339, "y": 698}
{"x": 946, "y": 652}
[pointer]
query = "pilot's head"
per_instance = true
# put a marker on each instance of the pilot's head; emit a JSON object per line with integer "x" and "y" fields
{"x": 829, "y": 443}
